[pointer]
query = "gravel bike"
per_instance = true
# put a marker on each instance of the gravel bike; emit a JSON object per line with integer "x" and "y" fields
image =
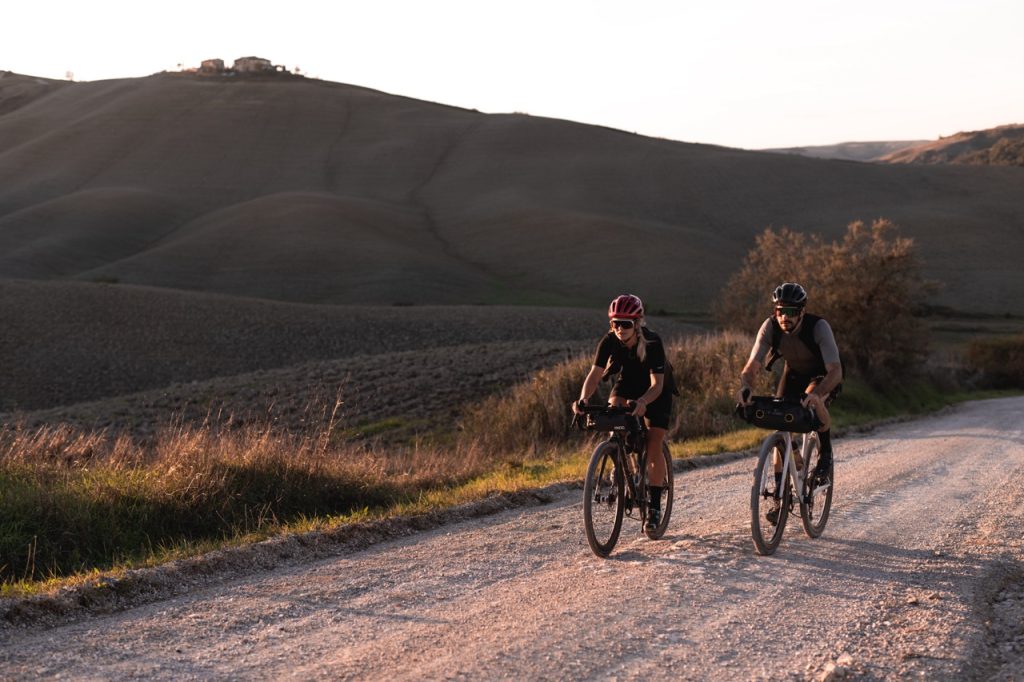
{"x": 616, "y": 482}
{"x": 784, "y": 472}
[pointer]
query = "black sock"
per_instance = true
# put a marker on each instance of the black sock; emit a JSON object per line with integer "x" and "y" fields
{"x": 655, "y": 491}
{"x": 826, "y": 445}
{"x": 778, "y": 480}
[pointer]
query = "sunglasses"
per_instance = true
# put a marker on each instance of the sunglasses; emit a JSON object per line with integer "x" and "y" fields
{"x": 788, "y": 311}
{"x": 622, "y": 324}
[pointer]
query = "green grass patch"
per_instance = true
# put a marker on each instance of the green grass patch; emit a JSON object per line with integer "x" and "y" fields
{"x": 860, "y": 404}
{"x": 741, "y": 439}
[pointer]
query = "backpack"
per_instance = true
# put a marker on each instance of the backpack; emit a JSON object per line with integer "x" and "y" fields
{"x": 806, "y": 336}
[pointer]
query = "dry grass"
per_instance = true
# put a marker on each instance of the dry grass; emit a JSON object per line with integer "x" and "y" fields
{"x": 75, "y": 500}
{"x": 1000, "y": 360}
{"x": 537, "y": 412}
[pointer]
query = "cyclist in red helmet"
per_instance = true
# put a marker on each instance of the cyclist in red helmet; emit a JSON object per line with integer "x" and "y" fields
{"x": 638, "y": 356}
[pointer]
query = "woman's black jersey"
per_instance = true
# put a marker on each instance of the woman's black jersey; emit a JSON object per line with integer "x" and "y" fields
{"x": 635, "y": 374}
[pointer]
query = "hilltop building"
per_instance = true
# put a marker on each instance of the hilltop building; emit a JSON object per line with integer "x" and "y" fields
{"x": 242, "y": 65}
{"x": 211, "y": 66}
{"x": 252, "y": 65}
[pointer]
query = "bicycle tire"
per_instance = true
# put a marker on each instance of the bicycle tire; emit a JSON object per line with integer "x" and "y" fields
{"x": 767, "y": 536}
{"x": 603, "y": 499}
{"x": 667, "y": 496}
{"x": 816, "y": 504}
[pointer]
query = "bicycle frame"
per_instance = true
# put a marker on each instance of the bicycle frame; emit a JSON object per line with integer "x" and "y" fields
{"x": 631, "y": 472}
{"x": 789, "y": 464}
{"x": 635, "y": 477}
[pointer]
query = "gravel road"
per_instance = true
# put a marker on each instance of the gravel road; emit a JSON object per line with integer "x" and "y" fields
{"x": 920, "y": 573}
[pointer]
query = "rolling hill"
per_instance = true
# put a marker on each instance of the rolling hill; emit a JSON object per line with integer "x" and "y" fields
{"x": 316, "y": 192}
{"x": 1001, "y": 146}
{"x": 850, "y": 151}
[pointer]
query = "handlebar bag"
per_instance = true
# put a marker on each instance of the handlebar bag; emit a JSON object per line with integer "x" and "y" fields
{"x": 612, "y": 422}
{"x": 779, "y": 415}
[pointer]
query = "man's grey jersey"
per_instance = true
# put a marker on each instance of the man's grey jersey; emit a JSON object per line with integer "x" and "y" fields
{"x": 798, "y": 356}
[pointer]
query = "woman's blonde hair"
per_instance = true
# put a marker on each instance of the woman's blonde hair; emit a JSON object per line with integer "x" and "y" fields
{"x": 641, "y": 341}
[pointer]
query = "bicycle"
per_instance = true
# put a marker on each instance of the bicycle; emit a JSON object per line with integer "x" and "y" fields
{"x": 779, "y": 465}
{"x": 616, "y": 481}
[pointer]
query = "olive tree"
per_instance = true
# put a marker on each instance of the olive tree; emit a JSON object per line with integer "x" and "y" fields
{"x": 868, "y": 286}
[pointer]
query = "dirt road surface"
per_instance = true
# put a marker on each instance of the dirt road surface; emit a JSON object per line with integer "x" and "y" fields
{"x": 920, "y": 574}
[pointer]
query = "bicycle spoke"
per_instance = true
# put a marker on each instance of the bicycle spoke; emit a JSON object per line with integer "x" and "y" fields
{"x": 815, "y": 507}
{"x": 769, "y": 506}
{"x": 603, "y": 500}
{"x": 667, "y": 498}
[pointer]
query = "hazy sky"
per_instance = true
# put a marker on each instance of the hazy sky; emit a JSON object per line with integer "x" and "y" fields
{"x": 741, "y": 73}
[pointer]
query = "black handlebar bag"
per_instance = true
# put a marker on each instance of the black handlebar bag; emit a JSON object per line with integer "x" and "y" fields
{"x": 613, "y": 422}
{"x": 778, "y": 415}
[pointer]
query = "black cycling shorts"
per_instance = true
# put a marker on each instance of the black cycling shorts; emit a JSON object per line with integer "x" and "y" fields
{"x": 792, "y": 387}
{"x": 658, "y": 413}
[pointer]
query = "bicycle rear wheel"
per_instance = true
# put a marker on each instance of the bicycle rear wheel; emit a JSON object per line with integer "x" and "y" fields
{"x": 603, "y": 499}
{"x": 666, "y": 497}
{"x": 769, "y": 508}
{"x": 817, "y": 501}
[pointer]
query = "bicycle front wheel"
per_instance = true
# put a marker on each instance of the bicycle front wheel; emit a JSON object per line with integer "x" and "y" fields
{"x": 817, "y": 501}
{"x": 769, "y": 506}
{"x": 603, "y": 499}
{"x": 666, "y": 497}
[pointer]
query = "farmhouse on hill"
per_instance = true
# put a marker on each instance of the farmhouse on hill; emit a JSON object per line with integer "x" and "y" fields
{"x": 252, "y": 65}
{"x": 211, "y": 66}
{"x": 242, "y": 65}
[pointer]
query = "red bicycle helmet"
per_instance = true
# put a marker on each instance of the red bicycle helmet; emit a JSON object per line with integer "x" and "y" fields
{"x": 626, "y": 307}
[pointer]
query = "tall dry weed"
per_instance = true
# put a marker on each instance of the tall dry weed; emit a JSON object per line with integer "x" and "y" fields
{"x": 532, "y": 415}
{"x": 76, "y": 499}
{"x": 999, "y": 360}
{"x": 707, "y": 369}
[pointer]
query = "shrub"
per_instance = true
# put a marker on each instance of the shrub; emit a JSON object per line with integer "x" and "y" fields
{"x": 707, "y": 370}
{"x": 532, "y": 414}
{"x": 1000, "y": 360}
{"x": 536, "y": 414}
{"x": 868, "y": 286}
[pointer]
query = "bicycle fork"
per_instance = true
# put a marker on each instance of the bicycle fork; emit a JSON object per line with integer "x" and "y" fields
{"x": 787, "y": 468}
{"x": 635, "y": 476}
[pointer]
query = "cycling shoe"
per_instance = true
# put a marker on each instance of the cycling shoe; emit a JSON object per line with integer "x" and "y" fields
{"x": 653, "y": 520}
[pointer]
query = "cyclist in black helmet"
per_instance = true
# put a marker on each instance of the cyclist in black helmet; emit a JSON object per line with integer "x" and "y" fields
{"x": 813, "y": 371}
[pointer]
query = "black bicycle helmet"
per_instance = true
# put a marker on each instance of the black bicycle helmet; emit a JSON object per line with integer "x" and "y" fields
{"x": 789, "y": 293}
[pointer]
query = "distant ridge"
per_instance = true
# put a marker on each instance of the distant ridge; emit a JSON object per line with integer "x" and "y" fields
{"x": 17, "y": 91}
{"x": 1001, "y": 146}
{"x": 303, "y": 190}
{"x": 849, "y": 151}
